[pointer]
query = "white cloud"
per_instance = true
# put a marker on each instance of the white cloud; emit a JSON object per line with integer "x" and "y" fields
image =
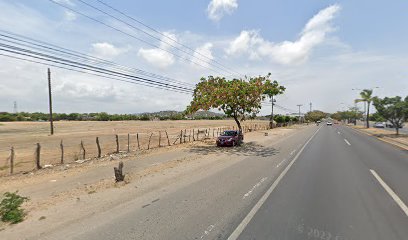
{"x": 156, "y": 57}
{"x": 106, "y": 50}
{"x": 203, "y": 55}
{"x": 218, "y": 8}
{"x": 70, "y": 16}
{"x": 159, "y": 57}
{"x": 287, "y": 52}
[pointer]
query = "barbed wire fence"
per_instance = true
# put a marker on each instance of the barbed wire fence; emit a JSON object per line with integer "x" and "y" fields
{"x": 23, "y": 158}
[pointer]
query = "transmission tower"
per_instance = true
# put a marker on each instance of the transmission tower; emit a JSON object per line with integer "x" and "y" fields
{"x": 15, "y": 107}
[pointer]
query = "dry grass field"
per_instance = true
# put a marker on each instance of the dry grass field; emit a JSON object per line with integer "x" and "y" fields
{"x": 24, "y": 136}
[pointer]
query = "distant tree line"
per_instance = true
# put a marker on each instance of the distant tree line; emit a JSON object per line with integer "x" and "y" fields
{"x": 102, "y": 116}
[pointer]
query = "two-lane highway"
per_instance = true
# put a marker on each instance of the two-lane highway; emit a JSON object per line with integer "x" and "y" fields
{"x": 344, "y": 185}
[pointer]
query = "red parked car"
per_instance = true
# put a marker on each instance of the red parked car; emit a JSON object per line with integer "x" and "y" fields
{"x": 230, "y": 138}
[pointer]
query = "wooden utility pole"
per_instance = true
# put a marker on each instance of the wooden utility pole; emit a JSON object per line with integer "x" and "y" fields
{"x": 50, "y": 101}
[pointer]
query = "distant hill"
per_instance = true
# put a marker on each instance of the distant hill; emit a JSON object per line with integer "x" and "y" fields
{"x": 164, "y": 114}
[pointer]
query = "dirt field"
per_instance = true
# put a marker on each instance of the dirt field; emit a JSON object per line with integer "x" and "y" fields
{"x": 24, "y": 136}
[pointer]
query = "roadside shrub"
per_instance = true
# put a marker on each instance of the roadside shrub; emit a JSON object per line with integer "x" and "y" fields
{"x": 10, "y": 208}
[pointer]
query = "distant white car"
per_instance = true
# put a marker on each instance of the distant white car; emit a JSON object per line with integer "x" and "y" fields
{"x": 379, "y": 125}
{"x": 329, "y": 124}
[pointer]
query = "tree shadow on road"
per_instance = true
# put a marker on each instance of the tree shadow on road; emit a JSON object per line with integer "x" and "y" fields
{"x": 246, "y": 149}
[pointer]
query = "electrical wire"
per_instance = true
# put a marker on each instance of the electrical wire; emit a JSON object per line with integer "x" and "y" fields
{"x": 28, "y": 53}
{"x": 133, "y": 36}
{"x": 164, "y": 35}
{"x": 94, "y": 74}
{"x": 84, "y": 57}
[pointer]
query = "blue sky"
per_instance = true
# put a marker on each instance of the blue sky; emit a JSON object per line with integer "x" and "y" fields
{"x": 318, "y": 49}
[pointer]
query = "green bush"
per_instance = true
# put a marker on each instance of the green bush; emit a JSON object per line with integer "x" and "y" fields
{"x": 10, "y": 208}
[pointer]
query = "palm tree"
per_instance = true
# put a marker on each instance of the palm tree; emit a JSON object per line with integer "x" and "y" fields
{"x": 366, "y": 96}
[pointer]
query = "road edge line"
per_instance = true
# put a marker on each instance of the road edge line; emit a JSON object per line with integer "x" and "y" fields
{"x": 235, "y": 234}
{"x": 401, "y": 146}
{"x": 393, "y": 195}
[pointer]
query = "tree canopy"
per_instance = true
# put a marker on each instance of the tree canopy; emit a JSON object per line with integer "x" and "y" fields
{"x": 394, "y": 109}
{"x": 237, "y": 98}
{"x": 315, "y": 115}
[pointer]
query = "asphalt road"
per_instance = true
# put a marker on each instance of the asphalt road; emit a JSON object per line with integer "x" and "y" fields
{"x": 344, "y": 185}
{"x": 207, "y": 208}
{"x": 319, "y": 183}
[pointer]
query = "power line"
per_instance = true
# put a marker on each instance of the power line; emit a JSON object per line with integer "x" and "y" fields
{"x": 42, "y": 45}
{"x": 151, "y": 35}
{"x": 48, "y": 58}
{"x": 85, "y": 72}
{"x": 164, "y": 35}
{"x": 132, "y": 36}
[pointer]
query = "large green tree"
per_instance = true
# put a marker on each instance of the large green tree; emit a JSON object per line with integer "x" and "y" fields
{"x": 237, "y": 98}
{"x": 394, "y": 109}
{"x": 366, "y": 96}
{"x": 315, "y": 115}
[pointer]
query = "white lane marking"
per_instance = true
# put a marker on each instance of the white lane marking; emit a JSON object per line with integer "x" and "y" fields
{"x": 347, "y": 142}
{"x": 281, "y": 162}
{"x": 253, "y": 188}
{"x": 394, "y": 196}
{"x": 338, "y": 132}
{"x": 207, "y": 231}
{"x": 235, "y": 234}
{"x": 291, "y": 153}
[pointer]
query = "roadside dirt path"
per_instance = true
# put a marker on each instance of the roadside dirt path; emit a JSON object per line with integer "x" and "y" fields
{"x": 60, "y": 196}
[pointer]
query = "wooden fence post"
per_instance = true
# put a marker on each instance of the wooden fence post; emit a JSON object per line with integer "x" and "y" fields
{"x": 37, "y": 156}
{"x": 168, "y": 140}
{"x": 83, "y": 150}
{"x": 148, "y": 145}
{"x": 181, "y": 136}
{"x": 117, "y": 143}
{"x": 137, "y": 137}
{"x": 184, "y": 139}
{"x": 98, "y": 146}
{"x": 189, "y": 136}
{"x": 193, "y": 135}
{"x": 11, "y": 160}
{"x": 62, "y": 151}
{"x": 128, "y": 142}
{"x": 159, "y": 138}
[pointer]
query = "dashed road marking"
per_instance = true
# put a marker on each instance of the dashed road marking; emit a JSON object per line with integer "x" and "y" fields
{"x": 207, "y": 231}
{"x": 279, "y": 164}
{"x": 253, "y": 188}
{"x": 235, "y": 234}
{"x": 347, "y": 142}
{"x": 394, "y": 196}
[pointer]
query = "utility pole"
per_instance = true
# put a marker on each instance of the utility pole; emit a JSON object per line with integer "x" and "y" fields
{"x": 310, "y": 104}
{"x": 299, "y": 105}
{"x": 50, "y": 101}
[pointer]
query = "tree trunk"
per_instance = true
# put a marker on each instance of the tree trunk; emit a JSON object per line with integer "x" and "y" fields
{"x": 238, "y": 123}
{"x": 397, "y": 130}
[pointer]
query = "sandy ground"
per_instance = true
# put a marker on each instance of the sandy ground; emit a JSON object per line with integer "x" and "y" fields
{"x": 23, "y": 136}
{"x": 62, "y": 195}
